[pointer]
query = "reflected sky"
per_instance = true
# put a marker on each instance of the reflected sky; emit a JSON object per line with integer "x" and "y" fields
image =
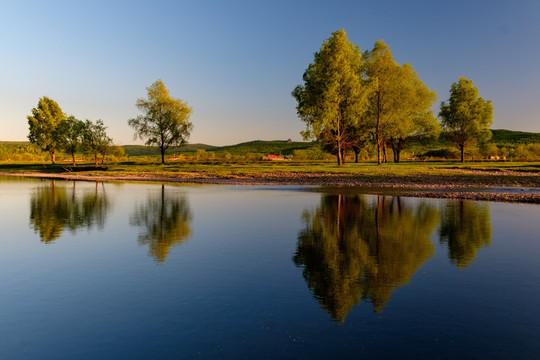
{"x": 143, "y": 270}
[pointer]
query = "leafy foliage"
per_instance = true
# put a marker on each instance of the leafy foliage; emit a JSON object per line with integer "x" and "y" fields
{"x": 466, "y": 118}
{"x": 165, "y": 120}
{"x": 95, "y": 139}
{"x": 334, "y": 96}
{"x": 42, "y": 123}
{"x": 68, "y": 134}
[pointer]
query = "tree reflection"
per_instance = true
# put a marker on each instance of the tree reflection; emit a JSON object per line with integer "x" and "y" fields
{"x": 351, "y": 249}
{"x": 465, "y": 228}
{"x": 166, "y": 220}
{"x": 55, "y": 208}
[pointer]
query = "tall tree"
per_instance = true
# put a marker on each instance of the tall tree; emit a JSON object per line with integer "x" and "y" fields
{"x": 467, "y": 117}
{"x": 334, "y": 95}
{"x": 385, "y": 75}
{"x": 42, "y": 123}
{"x": 68, "y": 135}
{"x": 413, "y": 117}
{"x": 95, "y": 139}
{"x": 165, "y": 120}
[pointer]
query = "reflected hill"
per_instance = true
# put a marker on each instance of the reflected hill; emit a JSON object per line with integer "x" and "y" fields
{"x": 165, "y": 220}
{"x": 352, "y": 249}
{"x": 465, "y": 227}
{"x": 56, "y": 208}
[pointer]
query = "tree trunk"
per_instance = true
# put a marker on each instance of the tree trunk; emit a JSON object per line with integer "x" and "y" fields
{"x": 462, "y": 149}
{"x": 378, "y": 128}
{"x": 356, "y": 156}
{"x": 53, "y": 156}
{"x": 340, "y": 154}
{"x": 95, "y": 160}
{"x": 162, "y": 156}
{"x": 73, "y": 159}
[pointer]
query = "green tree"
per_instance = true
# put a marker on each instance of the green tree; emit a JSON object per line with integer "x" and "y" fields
{"x": 413, "y": 118}
{"x": 386, "y": 77}
{"x": 466, "y": 118}
{"x": 165, "y": 120}
{"x": 68, "y": 135}
{"x": 334, "y": 95}
{"x": 42, "y": 123}
{"x": 95, "y": 139}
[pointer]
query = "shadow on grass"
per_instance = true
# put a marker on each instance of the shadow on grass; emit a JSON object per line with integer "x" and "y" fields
{"x": 48, "y": 168}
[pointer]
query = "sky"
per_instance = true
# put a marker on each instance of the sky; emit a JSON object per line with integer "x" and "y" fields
{"x": 236, "y": 62}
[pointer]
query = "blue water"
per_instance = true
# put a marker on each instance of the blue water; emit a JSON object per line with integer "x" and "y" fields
{"x": 106, "y": 270}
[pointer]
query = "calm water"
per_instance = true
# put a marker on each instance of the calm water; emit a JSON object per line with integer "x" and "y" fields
{"x": 92, "y": 270}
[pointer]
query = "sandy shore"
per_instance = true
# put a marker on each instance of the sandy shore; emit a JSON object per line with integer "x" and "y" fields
{"x": 453, "y": 187}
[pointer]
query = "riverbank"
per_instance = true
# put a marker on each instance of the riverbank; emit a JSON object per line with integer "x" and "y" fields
{"x": 470, "y": 184}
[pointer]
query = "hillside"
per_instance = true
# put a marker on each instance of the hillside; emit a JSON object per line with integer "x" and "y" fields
{"x": 512, "y": 138}
{"x": 277, "y": 147}
{"x": 141, "y": 150}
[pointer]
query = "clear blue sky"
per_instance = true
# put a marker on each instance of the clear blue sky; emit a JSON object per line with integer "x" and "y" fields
{"x": 236, "y": 62}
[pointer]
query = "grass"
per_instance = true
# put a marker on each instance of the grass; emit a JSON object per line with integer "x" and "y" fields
{"x": 227, "y": 168}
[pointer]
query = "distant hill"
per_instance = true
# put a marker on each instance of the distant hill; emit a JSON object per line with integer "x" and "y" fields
{"x": 141, "y": 150}
{"x": 277, "y": 147}
{"x": 282, "y": 147}
{"x": 513, "y": 138}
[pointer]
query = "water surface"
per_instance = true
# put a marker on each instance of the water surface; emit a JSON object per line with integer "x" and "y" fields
{"x": 105, "y": 270}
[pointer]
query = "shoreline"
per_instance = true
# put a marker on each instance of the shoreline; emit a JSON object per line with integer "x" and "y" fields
{"x": 424, "y": 186}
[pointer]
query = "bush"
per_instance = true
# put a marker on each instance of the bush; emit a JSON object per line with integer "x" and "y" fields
{"x": 254, "y": 156}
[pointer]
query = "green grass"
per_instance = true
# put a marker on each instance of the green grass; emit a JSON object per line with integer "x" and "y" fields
{"x": 224, "y": 168}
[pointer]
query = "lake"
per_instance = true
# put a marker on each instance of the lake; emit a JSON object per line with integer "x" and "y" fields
{"x": 119, "y": 270}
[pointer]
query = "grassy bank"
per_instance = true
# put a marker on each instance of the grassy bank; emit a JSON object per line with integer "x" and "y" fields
{"x": 482, "y": 173}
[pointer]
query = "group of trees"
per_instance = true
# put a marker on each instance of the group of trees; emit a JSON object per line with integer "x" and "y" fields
{"x": 164, "y": 123}
{"x": 350, "y": 98}
{"x": 52, "y": 130}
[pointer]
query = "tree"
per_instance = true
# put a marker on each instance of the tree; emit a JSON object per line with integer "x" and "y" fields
{"x": 413, "y": 117}
{"x": 466, "y": 118}
{"x": 42, "y": 123}
{"x": 95, "y": 139}
{"x": 334, "y": 95}
{"x": 385, "y": 75}
{"x": 68, "y": 135}
{"x": 165, "y": 120}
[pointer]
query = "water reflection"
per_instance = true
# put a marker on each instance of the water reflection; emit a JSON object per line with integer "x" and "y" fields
{"x": 465, "y": 227}
{"x": 353, "y": 249}
{"x": 54, "y": 208}
{"x": 165, "y": 219}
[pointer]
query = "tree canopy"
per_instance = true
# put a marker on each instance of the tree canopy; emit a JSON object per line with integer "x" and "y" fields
{"x": 42, "y": 124}
{"x": 334, "y": 96}
{"x": 95, "y": 139}
{"x": 467, "y": 117}
{"x": 165, "y": 120}
{"x": 68, "y": 134}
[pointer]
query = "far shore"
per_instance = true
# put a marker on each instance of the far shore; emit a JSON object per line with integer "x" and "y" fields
{"x": 432, "y": 186}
